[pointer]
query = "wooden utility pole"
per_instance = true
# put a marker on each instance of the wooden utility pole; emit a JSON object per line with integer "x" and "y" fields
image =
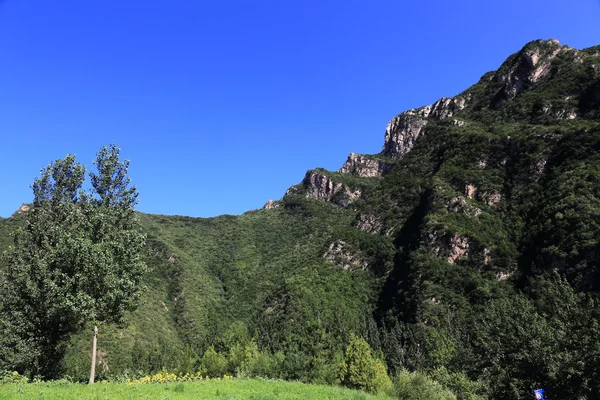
{"x": 93, "y": 368}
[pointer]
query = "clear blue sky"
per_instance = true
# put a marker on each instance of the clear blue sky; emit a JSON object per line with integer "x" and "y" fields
{"x": 222, "y": 105}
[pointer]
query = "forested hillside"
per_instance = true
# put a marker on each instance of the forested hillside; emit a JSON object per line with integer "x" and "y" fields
{"x": 469, "y": 249}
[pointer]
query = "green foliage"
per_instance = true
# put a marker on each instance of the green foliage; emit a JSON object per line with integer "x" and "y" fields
{"x": 361, "y": 370}
{"x": 77, "y": 259}
{"x": 213, "y": 364}
{"x": 460, "y": 384}
{"x": 550, "y": 341}
{"x": 239, "y": 389}
{"x": 418, "y": 386}
{"x": 11, "y": 378}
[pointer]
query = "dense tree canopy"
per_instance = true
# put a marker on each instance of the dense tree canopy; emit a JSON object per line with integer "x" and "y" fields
{"x": 76, "y": 260}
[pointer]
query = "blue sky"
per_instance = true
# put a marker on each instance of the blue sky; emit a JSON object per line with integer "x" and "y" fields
{"x": 222, "y": 105}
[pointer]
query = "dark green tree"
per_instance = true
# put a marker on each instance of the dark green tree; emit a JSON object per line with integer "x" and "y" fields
{"x": 76, "y": 261}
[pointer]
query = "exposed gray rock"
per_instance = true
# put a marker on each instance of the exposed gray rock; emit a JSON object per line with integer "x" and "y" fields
{"x": 561, "y": 112}
{"x": 446, "y": 107}
{"x": 459, "y": 246}
{"x": 491, "y": 199}
{"x": 459, "y": 204}
{"x": 364, "y": 166}
{"x": 538, "y": 168}
{"x": 487, "y": 256}
{"x": 442, "y": 108}
{"x": 339, "y": 254}
{"x": 502, "y": 276}
{"x": 403, "y": 130}
{"x": 369, "y": 223}
{"x": 528, "y": 67}
{"x": 23, "y": 209}
{"x": 401, "y": 134}
{"x": 470, "y": 191}
{"x": 321, "y": 187}
{"x": 451, "y": 246}
{"x": 271, "y": 204}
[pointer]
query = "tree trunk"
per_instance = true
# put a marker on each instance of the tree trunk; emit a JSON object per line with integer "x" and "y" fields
{"x": 93, "y": 368}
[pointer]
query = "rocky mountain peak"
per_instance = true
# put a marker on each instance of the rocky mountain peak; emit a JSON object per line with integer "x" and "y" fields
{"x": 527, "y": 67}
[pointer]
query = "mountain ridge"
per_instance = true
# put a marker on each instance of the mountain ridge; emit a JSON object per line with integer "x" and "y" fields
{"x": 530, "y": 65}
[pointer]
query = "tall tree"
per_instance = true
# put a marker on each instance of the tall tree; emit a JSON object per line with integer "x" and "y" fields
{"x": 77, "y": 260}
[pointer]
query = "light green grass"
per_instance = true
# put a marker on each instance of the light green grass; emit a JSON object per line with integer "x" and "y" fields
{"x": 209, "y": 390}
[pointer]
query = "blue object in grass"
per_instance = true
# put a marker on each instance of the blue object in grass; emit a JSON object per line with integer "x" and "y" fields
{"x": 539, "y": 394}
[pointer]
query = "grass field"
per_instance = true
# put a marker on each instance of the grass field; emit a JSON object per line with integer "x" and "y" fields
{"x": 209, "y": 390}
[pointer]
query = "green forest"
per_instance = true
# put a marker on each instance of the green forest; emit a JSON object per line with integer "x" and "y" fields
{"x": 469, "y": 265}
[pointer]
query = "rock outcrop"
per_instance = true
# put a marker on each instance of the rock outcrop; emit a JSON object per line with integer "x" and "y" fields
{"x": 339, "y": 254}
{"x": 368, "y": 223}
{"x": 561, "y": 111}
{"x": 491, "y": 199}
{"x": 459, "y": 246}
{"x": 23, "y": 209}
{"x": 445, "y": 107}
{"x": 403, "y": 130}
{"x": 451, "y": 246}
{"x": 364, "y": 166}
{"x": 271, "y": 204}
{"x": 531, "y": 65}
{"x": 459, "y": 204}
{"x": 470, "y": 191}
{"x": 317, "y": 185}
{"x": 401, "y": 134}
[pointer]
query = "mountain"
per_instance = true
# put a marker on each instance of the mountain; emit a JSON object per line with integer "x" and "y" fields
{"x": 469, "y": 247}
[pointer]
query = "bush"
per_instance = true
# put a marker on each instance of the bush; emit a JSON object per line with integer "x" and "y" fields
{"x": 459, "y": 384}
{"x": 265, "y": 365}
{"x": 418, "y": 386}
{"x": 361, "y": 370}
{"x": 11, "y": 378}
{"x": 213, "y": 363}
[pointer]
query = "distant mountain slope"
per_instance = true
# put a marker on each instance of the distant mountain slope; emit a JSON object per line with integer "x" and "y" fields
{"x": 433, "y": 249}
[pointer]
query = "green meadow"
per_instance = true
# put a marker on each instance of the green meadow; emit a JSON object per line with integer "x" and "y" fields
{"x": 209, "y": 390}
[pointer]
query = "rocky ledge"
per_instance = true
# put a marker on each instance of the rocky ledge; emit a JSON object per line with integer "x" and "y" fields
{"x": 403, "y": 130}
{"x": 317, "y": 185}
{"x": 364, "y": 166}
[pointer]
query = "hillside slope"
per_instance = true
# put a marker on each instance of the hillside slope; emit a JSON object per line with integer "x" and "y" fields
{"x": 469, "y": 247}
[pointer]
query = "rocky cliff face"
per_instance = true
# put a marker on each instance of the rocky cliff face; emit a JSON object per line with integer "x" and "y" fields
{"x": 364, "y": 166}
{"x": 401, "y": 134}
{"x": 403, "y": 130}
{"x": 529, "y": 66}
{"x": 317, "y": 185}
{"x": 400, "y": 137}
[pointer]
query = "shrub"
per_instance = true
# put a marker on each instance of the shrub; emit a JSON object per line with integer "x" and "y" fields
{"x": 213, "y": 363}
{"x": 418, "y": 386}
{"x": 12, "y": 377}
{"x": 460, "y": 384}
{"x": 361, "y": 370}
